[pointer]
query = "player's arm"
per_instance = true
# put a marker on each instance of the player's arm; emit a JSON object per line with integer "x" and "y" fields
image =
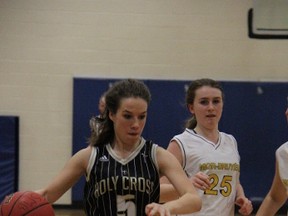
{"x": 275, "y": 198}
{"x": 68, "y": 176}
{"x": 175, "y": 150}
{"x": 245, "y": 205}
{"x": 189, "y": 200}
{"x": 200, "y": 180}
{"x": 168, "y": 192}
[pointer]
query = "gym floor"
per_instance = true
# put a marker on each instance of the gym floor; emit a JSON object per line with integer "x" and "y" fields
{"x": 69, "y": 212}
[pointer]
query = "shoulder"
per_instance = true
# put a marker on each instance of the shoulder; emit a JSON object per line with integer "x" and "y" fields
{"x": 282, "y": 151}
{"x": 229, "y": 140}
{"x": 228, "y": 136}
{"x": 186, "y": 134}
{"x": 283, "y": 147}
{"x": 224, "y": 134}
{"x": 85, "y": 151}
{"x": 83, "y": 155}
{"x": 164, "y": 156}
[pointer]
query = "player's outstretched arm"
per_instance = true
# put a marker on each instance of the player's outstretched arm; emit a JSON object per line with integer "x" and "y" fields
{"x": 67, "y": 177}
{"x": 189, "y": 201}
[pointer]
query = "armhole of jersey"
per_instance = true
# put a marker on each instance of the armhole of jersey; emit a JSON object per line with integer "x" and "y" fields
{"x": 91, "y": 163}
{"x": 153, "y": 155}
{"x": 281, "y": 156}
{"x": 180, "y": 145}
{"x": 236, "y": 147}
{"x": 282, "y": 151}
{"x": 278, "y": 155}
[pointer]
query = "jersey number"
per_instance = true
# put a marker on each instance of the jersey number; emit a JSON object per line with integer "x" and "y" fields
{"x": 224, "y": 185}
{"x": 125, "y": 205}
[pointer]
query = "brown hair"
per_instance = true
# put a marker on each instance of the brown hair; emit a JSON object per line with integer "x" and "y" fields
{"x": 121, "y": 89}
{"x": 191, "y": 93}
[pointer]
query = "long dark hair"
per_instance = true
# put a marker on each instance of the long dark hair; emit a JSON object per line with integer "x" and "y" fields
{"x": 191, "y": 93}
{"x": 121, "y": 89}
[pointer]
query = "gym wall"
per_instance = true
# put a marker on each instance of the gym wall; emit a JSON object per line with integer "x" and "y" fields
{"x": 9, "y": 155}
{"x": 253, "y": 113}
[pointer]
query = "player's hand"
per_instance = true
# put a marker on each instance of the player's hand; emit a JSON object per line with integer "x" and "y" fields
{"x": 245, "y": 205}
{"x": 201, "y": 181}
{"x": 155, "y": 209}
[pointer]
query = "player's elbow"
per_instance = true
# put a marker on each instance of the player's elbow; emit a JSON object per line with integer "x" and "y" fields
{"x": 194, "y": 203}
{"x": 197, "y": 203}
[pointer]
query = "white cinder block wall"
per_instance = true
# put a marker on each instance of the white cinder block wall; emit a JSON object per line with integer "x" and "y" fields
{"x": 44, "y": 44}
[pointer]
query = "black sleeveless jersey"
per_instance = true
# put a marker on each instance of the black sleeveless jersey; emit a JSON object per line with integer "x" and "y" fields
{"x": 121, "y": 187}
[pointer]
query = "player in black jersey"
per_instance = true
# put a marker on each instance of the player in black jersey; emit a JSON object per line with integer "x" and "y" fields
{"x": 122, "y": 169}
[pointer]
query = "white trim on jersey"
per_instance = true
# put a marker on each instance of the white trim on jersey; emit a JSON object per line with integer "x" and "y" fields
{"x": 220, "y": 161}
{"x": 90, "y": 163}
{"x": 282, "y": 160}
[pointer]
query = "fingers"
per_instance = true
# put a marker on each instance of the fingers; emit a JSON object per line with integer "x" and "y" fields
{"x": 245, "y": 205}
{"x": 246, "y": 211}
{"x": 155, "y": 209}
{"x": 201, "y": 181}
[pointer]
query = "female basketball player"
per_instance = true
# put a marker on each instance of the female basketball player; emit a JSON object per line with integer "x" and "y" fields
{"x": 278, "y": 193}
{"x": 209, "y": 157}
{"x": 122, "y": 169}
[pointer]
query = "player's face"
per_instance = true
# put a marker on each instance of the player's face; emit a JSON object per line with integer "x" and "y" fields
{"x": 207, "y": 107}
{"x": 286, "y": 113}
{"x": 129, "y": 120}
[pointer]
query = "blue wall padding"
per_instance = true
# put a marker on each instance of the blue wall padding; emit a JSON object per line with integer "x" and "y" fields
{"x": 253, "y": 113}
{"x": 9, "y": 146}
